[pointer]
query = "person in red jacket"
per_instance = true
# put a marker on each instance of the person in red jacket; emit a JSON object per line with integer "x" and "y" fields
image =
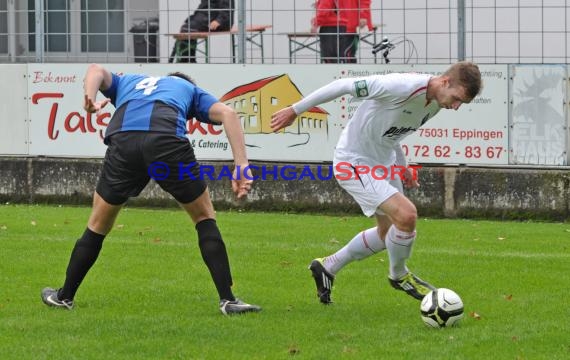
{"x": 358, "y": 16}
{"x": 331, "y": 24}
{"x": 337, "y": 22}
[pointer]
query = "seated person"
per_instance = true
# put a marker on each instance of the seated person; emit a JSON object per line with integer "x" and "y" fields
{"x": 211, "y": 15}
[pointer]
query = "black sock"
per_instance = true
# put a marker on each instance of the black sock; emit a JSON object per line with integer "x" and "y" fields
{"x": 83, "y": 256}
{"x": 215, "y": 256}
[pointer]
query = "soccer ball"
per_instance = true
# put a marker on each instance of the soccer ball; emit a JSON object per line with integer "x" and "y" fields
{"x": 441, "y": 308}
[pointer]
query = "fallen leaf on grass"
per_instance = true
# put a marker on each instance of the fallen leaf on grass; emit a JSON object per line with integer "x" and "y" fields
{"x": 509, "y": 297}
{"x": 474, "y": 315}
{"x": 294, "y": 350}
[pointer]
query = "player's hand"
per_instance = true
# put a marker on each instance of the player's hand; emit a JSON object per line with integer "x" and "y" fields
{"x": 242, "y": 180}
{"x": 282, "y": 118}
{"x": 94, "y": 107}
{"x": 410, "y": 179}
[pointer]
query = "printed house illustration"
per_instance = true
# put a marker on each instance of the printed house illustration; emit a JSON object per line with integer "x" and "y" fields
{"x": 257, "y": 101}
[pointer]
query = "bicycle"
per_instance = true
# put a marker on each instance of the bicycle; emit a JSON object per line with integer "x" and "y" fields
{"x": 386, "y": 46}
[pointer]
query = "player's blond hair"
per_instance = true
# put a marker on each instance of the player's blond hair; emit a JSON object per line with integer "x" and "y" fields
{"x": 467, "y": 75}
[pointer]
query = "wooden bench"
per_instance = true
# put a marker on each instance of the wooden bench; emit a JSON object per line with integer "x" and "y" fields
{"x": 254, "y": 35}
{"x": 310, "y": 41}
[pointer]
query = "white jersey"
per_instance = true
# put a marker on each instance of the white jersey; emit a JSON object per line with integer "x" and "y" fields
{"x": 393, "y": 107}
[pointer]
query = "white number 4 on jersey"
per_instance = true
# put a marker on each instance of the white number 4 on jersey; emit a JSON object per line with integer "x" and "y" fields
{"x": 148, "y": 84}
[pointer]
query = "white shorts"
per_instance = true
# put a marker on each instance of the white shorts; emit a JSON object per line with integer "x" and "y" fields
{"x": 368, "y": 190}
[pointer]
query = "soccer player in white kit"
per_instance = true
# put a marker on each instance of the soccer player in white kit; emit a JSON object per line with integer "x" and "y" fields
{"x": 393, "y": 107}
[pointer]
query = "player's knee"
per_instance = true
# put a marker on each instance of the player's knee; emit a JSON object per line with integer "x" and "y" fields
{"x": 100, "y": 227}
{"x": 407, "y": 220}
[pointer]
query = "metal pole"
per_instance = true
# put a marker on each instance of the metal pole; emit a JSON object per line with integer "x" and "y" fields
{"x": 12, "y": 30}
{"x": 241, "y": 32}
{"x": 39, "y": 13}
{"x": 460, "y": 30}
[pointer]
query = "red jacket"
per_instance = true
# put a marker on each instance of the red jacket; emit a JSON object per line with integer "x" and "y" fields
{"x": 355, "y": 11}
{"x": 328, "y": 13}
{"x": 342, "y": 12}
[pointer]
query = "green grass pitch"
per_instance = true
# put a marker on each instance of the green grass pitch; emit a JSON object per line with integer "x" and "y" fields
{"x": 149, "y": 296}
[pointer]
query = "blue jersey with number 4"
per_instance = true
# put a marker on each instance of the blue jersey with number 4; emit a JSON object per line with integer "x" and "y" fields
{"x": 157, "y": 104}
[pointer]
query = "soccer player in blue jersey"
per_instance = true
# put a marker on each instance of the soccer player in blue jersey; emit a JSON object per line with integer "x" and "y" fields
{"x": 148, "y": 127}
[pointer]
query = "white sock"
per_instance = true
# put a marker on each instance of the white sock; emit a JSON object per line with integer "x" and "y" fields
{"x": 399, "y": 245}
{"x": 363, "y": 245}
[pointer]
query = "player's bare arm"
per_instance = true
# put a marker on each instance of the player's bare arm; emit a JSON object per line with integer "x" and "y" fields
{"x": 329, "y": 92}
{"x": 242, "y": 177}
{"x": 97, "y": 78}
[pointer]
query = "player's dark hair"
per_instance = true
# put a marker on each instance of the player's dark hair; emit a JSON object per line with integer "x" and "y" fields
{"x": 467, "y": 75}
{"x": 182, "y": 76}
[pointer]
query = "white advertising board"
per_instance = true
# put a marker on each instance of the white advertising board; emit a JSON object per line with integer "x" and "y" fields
{"x": 60, "y": 127}
{"x": 475, "y": 134}
{"x": 14, "y": 119}
{"x": 539, "y": 121}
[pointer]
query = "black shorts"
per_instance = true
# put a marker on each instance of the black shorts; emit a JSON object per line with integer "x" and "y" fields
{"x": 133, "y": 157}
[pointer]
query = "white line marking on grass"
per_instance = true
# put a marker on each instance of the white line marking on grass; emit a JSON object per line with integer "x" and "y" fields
{"x": 521, "y": 255}
{"x": 467, "y": 252}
